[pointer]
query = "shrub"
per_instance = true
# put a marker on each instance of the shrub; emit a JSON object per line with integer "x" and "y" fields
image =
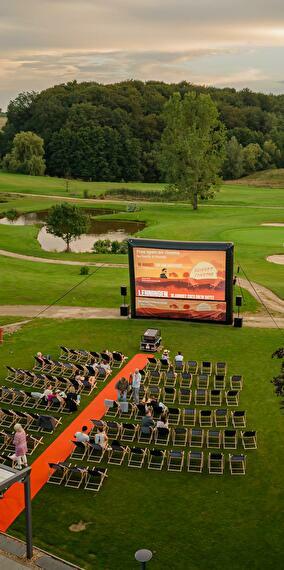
{"x": 12, "y": 214}
{"x": 85, "y": 270}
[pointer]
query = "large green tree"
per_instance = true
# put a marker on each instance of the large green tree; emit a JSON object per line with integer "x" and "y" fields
{"x": 27, "y": 154}
{"x": 67, "y": 222}
{"x": 234, "y": 161}
{"x": 192, "y": 146}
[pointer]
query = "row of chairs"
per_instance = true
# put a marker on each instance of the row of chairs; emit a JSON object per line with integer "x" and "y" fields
{"x": 77, "y": 356}
{"x": 90, "y": 478}
{"x": 39, "y": 381}
{"x": 23, "y": 398}
{"x": 185, "y": 379}
{"x": 192, "y": 366}
{"x": 200, "y": 397}
{"x": 30, "y": 421}
{"x": 7, "y": 446}
{"x": 66, "y": 369}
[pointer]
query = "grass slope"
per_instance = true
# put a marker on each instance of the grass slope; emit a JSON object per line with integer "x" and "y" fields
{"x": 272, "y": 178}
{"x": 187, "y": 521}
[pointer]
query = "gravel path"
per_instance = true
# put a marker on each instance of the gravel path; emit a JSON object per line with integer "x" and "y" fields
{"x": 57, "y": 261}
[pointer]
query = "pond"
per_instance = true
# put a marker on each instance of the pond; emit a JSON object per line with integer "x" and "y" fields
{"x": 114, "y": 230}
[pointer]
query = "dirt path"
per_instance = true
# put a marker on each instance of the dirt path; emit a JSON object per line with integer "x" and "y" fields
{"x": 263, "y": 295}
{"x": 57, "y": 261}
{"x": 279, "y": 259}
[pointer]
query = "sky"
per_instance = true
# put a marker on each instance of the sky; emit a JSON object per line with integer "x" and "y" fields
{"x": 236, "y": 43}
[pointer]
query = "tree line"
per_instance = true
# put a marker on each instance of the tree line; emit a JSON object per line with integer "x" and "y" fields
{"x": 114, "y": 132}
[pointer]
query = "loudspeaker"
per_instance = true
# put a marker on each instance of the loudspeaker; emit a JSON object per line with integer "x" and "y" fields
{"x": 123, "y": 291}
{"x": 124, "y": 310}
{"x": 239, "y": 300}
{"x": 238, "y": 322}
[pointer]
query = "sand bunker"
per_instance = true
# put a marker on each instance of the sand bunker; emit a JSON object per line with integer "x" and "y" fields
{"x": 279, "y": 259}
{"x": 274, "y": 224}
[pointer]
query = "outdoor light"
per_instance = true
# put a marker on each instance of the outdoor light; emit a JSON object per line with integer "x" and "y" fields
{"x": 143, "y": 556}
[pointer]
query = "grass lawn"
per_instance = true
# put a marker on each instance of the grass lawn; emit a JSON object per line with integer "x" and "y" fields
{"x": 188, "y": 521}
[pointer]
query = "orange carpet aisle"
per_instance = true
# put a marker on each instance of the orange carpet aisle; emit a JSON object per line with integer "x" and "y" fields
{"x": 13, "y": 502}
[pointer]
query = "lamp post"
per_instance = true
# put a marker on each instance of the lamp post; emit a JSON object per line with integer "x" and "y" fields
{"x": 143, "y": 556}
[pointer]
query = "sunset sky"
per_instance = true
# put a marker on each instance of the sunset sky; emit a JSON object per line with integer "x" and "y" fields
{"x": 221, "y": 42}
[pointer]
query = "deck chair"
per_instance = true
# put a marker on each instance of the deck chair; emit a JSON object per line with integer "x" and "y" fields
{"x": 202, "y": 381}
{"x": 79, "y": 451}
{"x": 7, "y": 395}
{"x": 137, "y": 457}
{"x": 111, "y": 408}
{"x": 152, "y": 363}
{"x": 113, "y": 429}
{"x": 249, "y": 439}
{"x": 185, "y": 380}
{"x": 170, "y": 379}
{"x": 129, "y": 432}
{"x": 8, "y": 418}
{"x": 206, "y": 367}
{"x": 95, "y": 478}
{"x": 162, "y": 436}
{"x": 33, "y": 443}
{"x": 196, "y": 437}
{"x": 216, "y": 463}
{"x": 58, "y": 472}
{"x": 169, "y": 395}
{"x": 102, "y": 374}
{"x": 65, "y": 353}
{"x": 75, "y": 477}
{"x": 184, "y": 396}
{"x": 156, "y": 459}
{"x": 232, "y": 398}
{"x": 174, "y": 416}
{"x": 164, "y": 365}
{"x": 24, "y": 418}
{"x": 21, "y": 397}
{"x": 238, "y": 418}
{"x": 179, "y": 366}
{"x": 221, "y": 417}
{"x": 126, "y": 409}
{"x": 175, "y": 460}
{"x": 154, "y": 392}
{"x": 237, "y": 464}
{"x": 236, "y": 382}
{"x": 214, "y": 439}
{"x": 230, "y": 439}
{"x": 117, "y": 359}
{"x": 219, "y": 382}
{"x": 195, "y": 461}
{"x": 215, "y": 397}
{"x": 205, "y": 418}
{"x": 117, "y": 453}
{"x": 15, "y": 375}
{"x": 41, "y": 404}
{"x": 189, "y": 417}
{"x": 140, "y": 411}
{"x": 145, "y": 437}
{"x": 200, "y": 397}
{"x": 192, "y": 366}
{"x": 179, "y": 436}
{"x": 34, "y": 425}
{"x": 48, "y": 424}
{"x": 95, "y": 452}
{"x": 154, "y": 378}
{"x": 221, "y": 368}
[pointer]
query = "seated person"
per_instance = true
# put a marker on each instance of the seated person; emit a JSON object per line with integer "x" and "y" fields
{"x": 163, "y": 421}
{"x": 106, "y": 355}
{"x": 158, "y": 407}
{"x": 165, "y": 358}
{"x": 101, "y": 438}
{"x": 179, "y": 357}
{"x": 147, "y": 422}
{"x": 105, "y": 366}
{"x": 61, "y": 396}
{"x": 82, "y": 436}
{"x": 72, "y": 400}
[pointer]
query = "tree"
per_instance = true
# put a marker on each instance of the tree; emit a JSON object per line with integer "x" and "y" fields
{"x": 26, "y": 155}
{"x": 234, "y": 161}
{"x": 252, "y": 158}
{"x": 66, "y": 221}
{"x": 192, "y": 146}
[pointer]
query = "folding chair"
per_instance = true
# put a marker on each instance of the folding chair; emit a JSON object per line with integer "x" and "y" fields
{"x": 95, "y": 478}
{"x": 154, "y": 378}
{"x": 179, "y": 436}
{"x": 154, "y": 392}
{"x": 196, "y": 437}
{"x": 15, "y": 375}
{"x": 79, "y": 451}
{"x": 175, "y": 460}
{"x": 25, "y": 419}
{"x": 200, "y": 397}
{"x": 216, "y": 463}
{"x": 205, "y": 418}
{"x": 117, "y": 359}
{"x": 221, "y": 417}
{"x": 174, "y": 416}
{"x": 184, "y": 396}
{"x": 140, "y": 411}
{"x": 221, "y": 368}
{"x": 7, "y": 395}
{"x": 249, "y": 439}
{"x": 192, "y": 366}
{"x": 170, "y": 378}
{"x": 152, "y": 363}
{"x": 117, "y": 453}
{"x": 145, "y": 436}
{"x": 202, "y": 381}
{"x": 113, "y": 429}
{"x": 34, "y": 425}
{"x": 169, "y": 395}
{"x": 65, "y": 353}
{"x": 219, "y": 382}
{"x": 215, "y": 397}
{"x": 20, "y": 397}
{"x": 232, "y": 398}
{"x": 57, "y": 472}
{"x": 137, "y": 457}
{"x": 111, "y": 408}
{"x": 206, "y": 367}
{"x": 129, "y": 432}
{"x": 162, "y": 436}
{"x": 8, "y": 418}
{"x": 214, "y": 439}
{"x": 156, "y": 458}
{"x": 75, "y": 477}
{"x": 33, "y": 443}
{"x": 230, "y": 439}
{"x": 237, "y": 464}
{"x": 179, "y": 366}
{"x": 95, "y": 452}
{"x": 195, "y": 461}
{"x": 164, "y": 365}
{"x": 236, "y": 382}
{"x": 185, "y": 380}
{"x": 238, "y": 418}
{"x": 102, "y": 374}
{"x": 189, "y": 417}
{"x": 126, "y": 409}
{"x": 41, "y": 404}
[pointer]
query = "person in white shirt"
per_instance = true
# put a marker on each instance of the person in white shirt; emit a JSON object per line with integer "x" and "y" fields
{"x": 136, "y": 382}
{"x": 179, "y": 357}
{"x": 101, "y": 438}
{"x": 82, "y": 436}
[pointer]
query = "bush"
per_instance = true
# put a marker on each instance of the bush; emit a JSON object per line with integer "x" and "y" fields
{"x": 86, "y": 193}
{"x": 85, "y": 270}
{"x": 11, "y": 215}
{"x": 107, "y": 246}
